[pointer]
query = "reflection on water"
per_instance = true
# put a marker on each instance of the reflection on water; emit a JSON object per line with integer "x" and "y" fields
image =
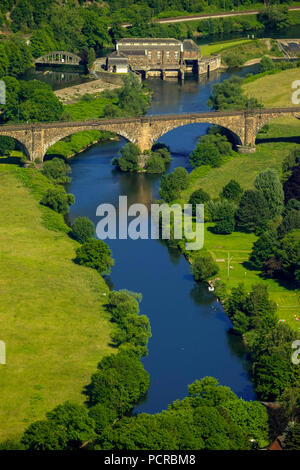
{"x": 190, "y": 336}
{"x": 57, "y": 77}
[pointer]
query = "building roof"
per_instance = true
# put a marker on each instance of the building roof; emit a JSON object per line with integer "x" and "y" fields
{"x": 276, "y": 445}
{"x": 117, "y": 57}
{"x": 148, "y": 42}
{"x": 190, "y": 45}
{"x": 134, "y": 52}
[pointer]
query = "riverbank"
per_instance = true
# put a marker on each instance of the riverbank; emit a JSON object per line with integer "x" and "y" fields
{"x": 272, "y": 148}
{"x": 57, "y": 296}
{"x": 73, "y": 94}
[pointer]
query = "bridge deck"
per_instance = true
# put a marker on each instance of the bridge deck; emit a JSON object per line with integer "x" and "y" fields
{"x": 153, "y": 118}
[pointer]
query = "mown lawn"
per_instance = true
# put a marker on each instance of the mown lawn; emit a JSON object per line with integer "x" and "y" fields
{"x": 274, "y": 90}
{"x": 51, "y": 310}
{"x": 237, "y": 248}
{"x": 216, "y": 47}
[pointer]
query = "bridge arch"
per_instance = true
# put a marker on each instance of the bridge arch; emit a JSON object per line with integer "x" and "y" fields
{"x": 19, "y": 143}
{"x": 293, "y": 122}
{"x": 59, "y": 58}
{"x": 69, "y": 133}
{"x": 204, "y": 125}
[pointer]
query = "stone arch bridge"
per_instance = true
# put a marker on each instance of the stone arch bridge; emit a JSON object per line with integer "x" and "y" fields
{"x": 145, "y": 131}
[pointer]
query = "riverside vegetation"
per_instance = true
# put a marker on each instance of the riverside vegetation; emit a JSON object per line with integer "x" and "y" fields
{"x": 120, "y": 380}
{"x": 252, "y": 235}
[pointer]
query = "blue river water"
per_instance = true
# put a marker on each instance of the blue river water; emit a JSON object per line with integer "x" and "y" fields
{"x": 190, "y": 337}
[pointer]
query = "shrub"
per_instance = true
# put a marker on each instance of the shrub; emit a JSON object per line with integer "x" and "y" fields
{"x": 232, "y": 191}
{"x": 266, "y": 64}
{"x": 172, "y": 184}
{"x": 57, "y": 199}
{"x": 95, "y": 254}
{"x": 198, "y": 197}
{"x": 56, "y": 170}
{"x": 155, "y": 164}
{"x": 83, "y": 229}
{"x": 210, "y": 149}
{"x": 129, "y": 160}
{"x": 204, "y": 267}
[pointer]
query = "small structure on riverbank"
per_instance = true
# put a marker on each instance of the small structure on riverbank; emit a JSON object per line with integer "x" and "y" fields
{"x": 117, "y": 62}
{"x": 162, "y": 57}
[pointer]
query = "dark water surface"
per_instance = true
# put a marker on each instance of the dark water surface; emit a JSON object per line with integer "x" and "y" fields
{"x": 190, "y": 337}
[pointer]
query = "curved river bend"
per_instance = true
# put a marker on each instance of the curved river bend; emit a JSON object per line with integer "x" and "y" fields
{"x": 190, "y": 336}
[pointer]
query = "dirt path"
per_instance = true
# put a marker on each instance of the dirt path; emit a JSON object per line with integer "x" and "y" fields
{"x": 74, "y": 93}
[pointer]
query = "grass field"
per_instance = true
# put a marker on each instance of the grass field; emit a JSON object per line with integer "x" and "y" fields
{"x": 51, "y": 310}
{"x": 237, "y": 247}
{"x": 218, "y": 47}
{"x": 274, "y": 90}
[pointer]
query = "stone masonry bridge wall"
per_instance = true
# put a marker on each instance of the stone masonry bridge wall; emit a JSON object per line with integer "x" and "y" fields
{"x": 145, "y": 131}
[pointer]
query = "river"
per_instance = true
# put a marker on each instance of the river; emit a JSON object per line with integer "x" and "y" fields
{"x": 190, "y": 336}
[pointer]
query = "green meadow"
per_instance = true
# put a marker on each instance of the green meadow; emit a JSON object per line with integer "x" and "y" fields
{"x": 52, "y": 317}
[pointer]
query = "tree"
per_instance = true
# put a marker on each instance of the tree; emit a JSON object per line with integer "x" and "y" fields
{"x": 42, "y": 106}
{"x": 57, "y": 199}
{"x": 292, "y": 438}
{"x": 290, "y": 221}
{"x": 95, "y": 254}
{"x": 209, "y": 150}
{"x": 275, "y": 17}
{"x": 261, "y": 309}
{"x": 119, "y": 383}
{"x": 268, "y": 182}
{"x": 6, "y": 144}
{"x": 236, "y": 301}
{"x": 289, "y": 255}
{"x": 173, "y": 183}
{"x": 41, "y": 43}
{"x": 252, "y": 211}
{"x": 292, "y": 185}
{"x": 21, "y": 15}
{"x": 91, "y": 58}
{"x": 266, "y": 64}
{"x": 263, "y": 249}
{"x": 56, "y": 170}
{"x": 204, "y": 267}
{"x": 155, "y": 163}
{"x": 129, "y": 160}
{"x": 3, "y": 61}
{"x": 66, "y": 428}
{"x": 102, "y": 416}
{"x": 232, "y": 191}
{"x": 83, "y": 229}
{"x": 198, "y": 197}
{"x": 290, "y": 400}
{"x": 229, "y": 95}
{"x": 272, "y": 375}
{"x": 225, "y": 218}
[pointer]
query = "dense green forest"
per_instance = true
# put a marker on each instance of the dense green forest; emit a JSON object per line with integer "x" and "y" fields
{"x": 30, "y": 28}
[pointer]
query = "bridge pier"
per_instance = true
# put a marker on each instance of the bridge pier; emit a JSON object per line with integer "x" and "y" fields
{"x": 246, "y": 148}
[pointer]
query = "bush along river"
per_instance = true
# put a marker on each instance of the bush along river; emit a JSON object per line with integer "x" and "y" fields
{"x": 190, "y": 336}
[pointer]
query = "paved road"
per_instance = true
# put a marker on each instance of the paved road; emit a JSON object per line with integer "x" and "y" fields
{"x": 180, "y": 19}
